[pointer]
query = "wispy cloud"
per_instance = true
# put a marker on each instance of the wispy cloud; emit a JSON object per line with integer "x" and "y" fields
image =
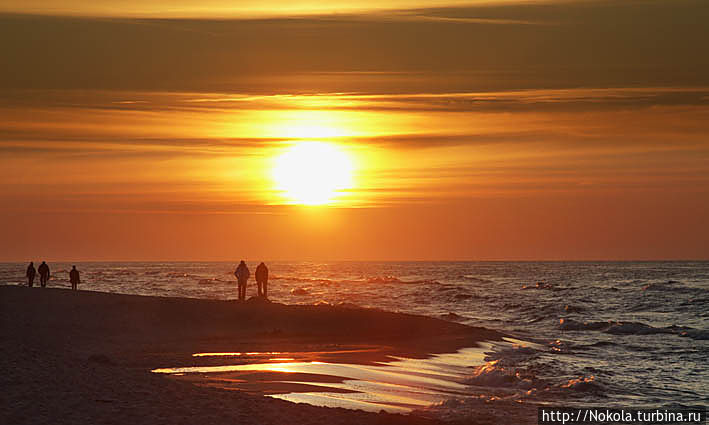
{"x": 577, "y": 99}
{"x": 245, "y": 9}
{"x": 411, "y": 48}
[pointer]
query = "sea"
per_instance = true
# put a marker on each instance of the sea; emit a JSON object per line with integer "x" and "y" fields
{"x": 601, "y": 334}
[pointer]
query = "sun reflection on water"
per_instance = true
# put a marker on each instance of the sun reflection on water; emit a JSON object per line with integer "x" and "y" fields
{"x": 399, "y": 385}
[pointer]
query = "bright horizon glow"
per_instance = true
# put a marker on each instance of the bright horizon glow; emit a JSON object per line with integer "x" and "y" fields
{"x": 312, "y": 173}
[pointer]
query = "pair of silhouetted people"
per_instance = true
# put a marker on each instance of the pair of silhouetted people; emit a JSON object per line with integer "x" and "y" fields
{"x": 242, "y": 274}
{"x": 43, "y": 270}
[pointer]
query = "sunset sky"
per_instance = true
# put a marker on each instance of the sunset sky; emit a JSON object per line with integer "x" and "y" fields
{"x": 456, "y": 130}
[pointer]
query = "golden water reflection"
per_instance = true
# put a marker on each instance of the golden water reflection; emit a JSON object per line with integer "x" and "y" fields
{"x": 399, "y": 385}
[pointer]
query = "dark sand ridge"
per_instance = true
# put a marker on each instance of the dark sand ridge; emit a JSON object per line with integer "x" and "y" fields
{"x": 85, "y": 357}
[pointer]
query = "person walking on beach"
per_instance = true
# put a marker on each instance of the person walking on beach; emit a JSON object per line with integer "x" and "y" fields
{"x": 74, "y": 278}
{"x": 262, "y": 280}
{"x": 242, "y": 276}
{"x": 31, "y": 273}
{"x": 43, "y": 270}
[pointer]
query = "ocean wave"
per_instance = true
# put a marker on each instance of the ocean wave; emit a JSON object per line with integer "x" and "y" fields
{"x": 211, "y": 281}
{"x": 673, "y": 286}
{"x": 524, "y": 307}
{"x": 580, "y": 387}
{"x": 538, "y": 285}
{"x": 573, "y": 325}
{"x": 447, "y": 288}
{"x": 475, "y": 278}
{"x": 174, "y": 275}
{"x": 546, "y": 286}
{"x": 694, "y": 302}
{"x": 493, "y": 374}
{"x": 573, "y": 308}
{"x": 597, "y": 344}
{"x": 510, "y": 356}
{"x": 483, "y": 409}
{"x": 695, "y": 334}
{"x": 634, "y": 328}
{"x": 345, "y": 304}
{"x": 315, "y": 281}
{"x": 584, "y": 385}
{"x": 524, "y": 382}
{"x": 561, "y": 347}
{"x": 341, "y": 304}
{"x": 391, "y": 279}
{"x": 300, "y": 291}
{"x": 385, "y": 280}
{"x": 631, "y": 328}
{"x": 661, "y": 286}
{"x": 453, "y": 317}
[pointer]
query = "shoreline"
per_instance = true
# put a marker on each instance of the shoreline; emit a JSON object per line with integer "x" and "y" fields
{"x": 106, "y": 344}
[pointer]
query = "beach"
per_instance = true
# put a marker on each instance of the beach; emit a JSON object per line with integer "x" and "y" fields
{"x": 86, "y": 357}
{"x": 466, "y": 342}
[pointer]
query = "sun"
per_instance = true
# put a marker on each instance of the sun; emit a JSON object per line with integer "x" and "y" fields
{"x": 312, "y": 173}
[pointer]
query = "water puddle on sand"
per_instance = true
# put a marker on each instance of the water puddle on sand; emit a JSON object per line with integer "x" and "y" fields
{"x": 336, "y": 379}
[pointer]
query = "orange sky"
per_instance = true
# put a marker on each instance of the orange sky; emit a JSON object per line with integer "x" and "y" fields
{"x": 475, "y": 130}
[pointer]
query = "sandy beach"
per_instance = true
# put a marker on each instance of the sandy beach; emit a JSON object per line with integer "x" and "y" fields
{"x": 86, "y": 357}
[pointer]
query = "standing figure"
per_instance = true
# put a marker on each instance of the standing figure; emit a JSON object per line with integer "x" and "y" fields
{"x": 74, "y": 278}
{"x": 242, "y": 276}
{"x": 43, "y": 270}
{"x": 262, "y": 280}
{"x": 31, "y": 273}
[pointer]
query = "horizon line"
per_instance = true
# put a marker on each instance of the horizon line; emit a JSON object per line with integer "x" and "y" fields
{"x": 689, "y": 260}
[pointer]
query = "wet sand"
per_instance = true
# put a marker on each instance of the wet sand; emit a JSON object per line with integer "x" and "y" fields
{"x": 86, "y": 357}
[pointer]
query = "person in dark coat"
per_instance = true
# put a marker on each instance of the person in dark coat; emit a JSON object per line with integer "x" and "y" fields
{"x": 242, "y": 276}
{"x": 31, "y": 273}
{"x": 43, "y": 270}
{"x": 74, "y": 278}
{"x": 262, "y": 280}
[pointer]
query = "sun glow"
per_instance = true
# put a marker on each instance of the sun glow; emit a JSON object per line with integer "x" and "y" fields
{"x": 312, "y": 173}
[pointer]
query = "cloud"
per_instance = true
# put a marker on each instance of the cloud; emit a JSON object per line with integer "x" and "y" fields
{"x": 537, "y": 100}
{"x": 446, "y": 49}
{"x": 223, "y": 9}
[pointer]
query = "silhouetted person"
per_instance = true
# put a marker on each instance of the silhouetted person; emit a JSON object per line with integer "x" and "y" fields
{"x": 31, "y": 273}
{"x": 43, "y": 270}
{"x": 74, "y": 278}
{"x": 262, "y": 280}
{"x": 242, "y": 276}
